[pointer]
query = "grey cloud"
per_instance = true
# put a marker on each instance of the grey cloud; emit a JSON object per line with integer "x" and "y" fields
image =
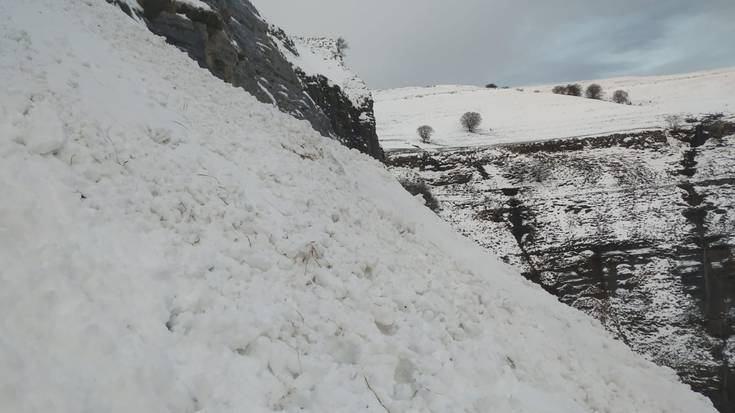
{"x": 420, "y": 42}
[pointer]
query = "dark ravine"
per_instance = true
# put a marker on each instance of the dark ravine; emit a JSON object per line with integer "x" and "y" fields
{"x": 636, "y": 229}
{"x": 710, "y": 268}
{"x": 234, "y": 42}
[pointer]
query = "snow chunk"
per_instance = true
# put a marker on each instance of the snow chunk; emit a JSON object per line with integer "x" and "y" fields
{"x": 42, "y": 131}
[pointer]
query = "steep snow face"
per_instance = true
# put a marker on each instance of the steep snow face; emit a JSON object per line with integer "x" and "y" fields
{"x": 176, "y": 246}
{"x": 534, "y": 113}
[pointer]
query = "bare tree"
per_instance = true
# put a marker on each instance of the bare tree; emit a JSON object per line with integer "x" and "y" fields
{"x": 342, "y": 46}
{"x": 574, "y": 89}
{"x": 621, "y": 96}
{"x": 559, "y": 90}
{"x": 471, "y": 121}
{"x": 425, "y": 132}
{"x": 594, "y": 91}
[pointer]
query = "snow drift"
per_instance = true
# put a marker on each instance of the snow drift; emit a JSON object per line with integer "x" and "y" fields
{"x": 169, "y": 244}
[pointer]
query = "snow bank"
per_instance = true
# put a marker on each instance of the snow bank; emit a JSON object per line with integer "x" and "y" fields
{"x": 188, "y": 249}
{"x": 534, "y": 113}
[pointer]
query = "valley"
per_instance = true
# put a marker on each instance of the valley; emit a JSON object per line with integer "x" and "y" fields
{"x": 635, "y": 229}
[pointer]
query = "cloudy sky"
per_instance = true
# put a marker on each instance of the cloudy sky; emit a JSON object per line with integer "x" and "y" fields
{"x": 515, "y": 42}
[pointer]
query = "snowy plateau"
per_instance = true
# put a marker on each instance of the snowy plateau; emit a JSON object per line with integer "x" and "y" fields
{"x": 170, "y": 244}
{"x": 534, "y": 113}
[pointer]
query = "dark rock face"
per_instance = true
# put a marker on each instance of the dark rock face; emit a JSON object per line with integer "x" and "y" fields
{"x": 637, "y": 230}
{"x": 230, "y": 39}
{"x": 346, "y": 119}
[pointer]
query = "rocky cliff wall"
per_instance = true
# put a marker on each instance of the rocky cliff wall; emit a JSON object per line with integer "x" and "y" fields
{"x": 232, "y": 40}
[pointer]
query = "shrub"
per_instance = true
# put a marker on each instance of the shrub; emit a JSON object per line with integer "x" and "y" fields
{"x": 718, "y": 130}
{"x": 471, "y": 121}
{"x": 673, "y": 122}
{"x": 539, "y": 170}
{"x": 594, "y": 91}
{"x": 715, "y": 126}
{"x": 621, "y": 96}
{"x": 559, "y": 90}
{"x": 574, "y": 89}
{"x": 425, "y": 132}
{"x": 417, "y": 186}
{"x": 491, "y": 86}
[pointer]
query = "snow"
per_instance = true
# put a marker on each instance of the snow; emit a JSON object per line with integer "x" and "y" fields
{"x": 188, "y": 249}
{"x": 38, "y": 128}
{"x": 534, "y": 113}
{"x": 199, "y": 4}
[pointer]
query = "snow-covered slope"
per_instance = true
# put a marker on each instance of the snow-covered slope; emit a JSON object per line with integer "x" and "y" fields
{"x": 169, "y": 244}
{"x": 534, "y": 113}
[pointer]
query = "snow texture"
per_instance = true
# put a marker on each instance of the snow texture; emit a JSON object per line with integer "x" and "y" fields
{"x": 199, "y": 4}
{"x": 534, "y": 113}
{"x": 188, "y": 249}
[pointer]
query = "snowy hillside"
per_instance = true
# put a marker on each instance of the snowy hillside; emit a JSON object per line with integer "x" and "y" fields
{"x": 534, "y": 113}
{"x": 169, "y": 244}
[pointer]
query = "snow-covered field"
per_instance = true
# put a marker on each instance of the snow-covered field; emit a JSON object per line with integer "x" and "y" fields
{"x": 534, "y": 113}
{"x": 169, "y": 244}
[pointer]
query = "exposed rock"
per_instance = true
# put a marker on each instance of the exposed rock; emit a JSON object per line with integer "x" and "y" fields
{"x": 232, "y": 40}
{"x": 343, "y": 96}
{"x": 347, "y": 120}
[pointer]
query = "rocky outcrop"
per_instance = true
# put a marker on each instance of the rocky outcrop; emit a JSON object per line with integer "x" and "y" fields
{"x": 343, "y": 97}
{"x": 230, "y": 38}
{"x": 347, "y": 120}
{"x": 636, "y": 229}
